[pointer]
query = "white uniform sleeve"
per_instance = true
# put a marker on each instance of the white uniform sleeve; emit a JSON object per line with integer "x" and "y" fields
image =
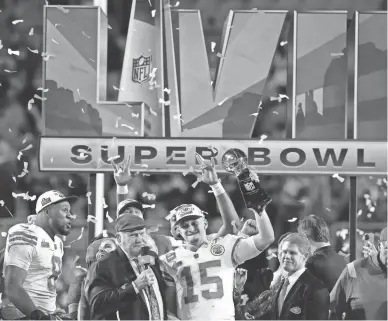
{"x": 167, "y": 269}
{"x": 20, "y": 256}
{"x": 244, "y": 250}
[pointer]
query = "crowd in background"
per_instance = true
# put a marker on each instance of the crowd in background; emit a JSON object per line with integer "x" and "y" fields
{"x": 20, "y": 77}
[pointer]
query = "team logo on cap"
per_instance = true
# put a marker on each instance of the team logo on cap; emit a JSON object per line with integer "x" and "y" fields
{"x": 217, "y": 250}
{"x": 59, "y": 194}
{"x": 45, "y": 201}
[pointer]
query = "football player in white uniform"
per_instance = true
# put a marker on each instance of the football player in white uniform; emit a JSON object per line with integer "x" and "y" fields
{"x": 165, "y": 243}
{"x": 33, "y": 259}
{"x": 202, "y": 270}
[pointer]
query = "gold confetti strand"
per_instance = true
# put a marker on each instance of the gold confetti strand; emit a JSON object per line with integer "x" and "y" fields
{"x": 40, "y": 98}
{"x": 153, "y": 12}
{"x": 212, "y": 46}
{"x": 35, "y": 51}
{"x": 294, "y": 219}
{"x": 262, "y": 138}
{"x": 88, "y": 194}
{"x": 78, "y": 238}
{"x": 283, "y": 43}
{"x": 110, "y": 220}
{"x": 15, "y": 22}
{"x": 84, "y": 33}
{"x": 31, "y": 32}
{"x": 54, "y": 41}
{"x": 13, "y": 52}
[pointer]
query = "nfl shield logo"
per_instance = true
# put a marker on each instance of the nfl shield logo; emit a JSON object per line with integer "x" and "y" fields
{"x": 249, "y": 186}
{"x": 141, "y": 69}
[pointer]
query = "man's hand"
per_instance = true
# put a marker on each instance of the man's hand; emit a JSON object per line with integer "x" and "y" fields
{"x": 122, "y": 173}
{"x": 209, "y": 174}
{"x": 39, "y": 315}
{"x": 368, "y": 249}
{"x": 249, "y": 228}
{"x": 144, "y": 279}
{"x": 240, "y": 277}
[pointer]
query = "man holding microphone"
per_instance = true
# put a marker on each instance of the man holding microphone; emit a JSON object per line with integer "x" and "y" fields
{"x": 124, "y": 284}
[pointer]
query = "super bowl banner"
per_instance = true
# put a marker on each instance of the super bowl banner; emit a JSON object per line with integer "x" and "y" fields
{"x": 172, "y": 105}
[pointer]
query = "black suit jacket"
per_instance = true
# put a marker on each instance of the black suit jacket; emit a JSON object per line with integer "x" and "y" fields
{"x": 308, "y": 299}
{"x": 326, "y": 265}
{"x": 108, "y": 289}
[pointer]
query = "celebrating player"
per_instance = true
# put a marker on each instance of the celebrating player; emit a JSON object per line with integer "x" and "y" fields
{"x": 203, "y": 273}
{"x": 209, "y": 176}
{"x": 33, "y": 259}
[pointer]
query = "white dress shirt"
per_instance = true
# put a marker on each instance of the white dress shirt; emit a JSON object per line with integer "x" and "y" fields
{"x": 293, "y": 278}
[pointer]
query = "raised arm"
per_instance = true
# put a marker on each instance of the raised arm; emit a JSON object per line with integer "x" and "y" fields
{"x": 227, "y": 210}
{"x": 122, "y": 176}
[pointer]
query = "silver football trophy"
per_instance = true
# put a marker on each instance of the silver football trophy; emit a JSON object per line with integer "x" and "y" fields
{"x": 235, "y": 161}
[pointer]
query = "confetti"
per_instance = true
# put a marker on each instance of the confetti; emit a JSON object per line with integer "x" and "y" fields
{"x": 31, "y": 32}
{"x": 25, "y": 170}
{"x": 213, "y": 45}
{"x": 4, "y": 234}
{"x": 10, "y": 71}
{"x": 283, "y": 43}
{"x": 14, "y": 178}
{"x": 113, "y": 158}
{"x": 359, "y": 212}
{"x": 221, "y": 56}
{"x": 360, "y": 232}
{"x": 144, "y": 165}
{"x": 36, "y": 51}
{"x": 88, "y": 194}
{"x": 103, "y": 203}
{"x": 210, "y": 192}
{"x": 369, "y": 215}
{"x": 17, "y": 21}
{"x": 79, "y": 94}
{"x": 47, "y": 56}
{"x": 128, "y": 105}
{"x": 153, "y": 112}
{"x": 40, "y": 98}
{"x": 51, "y": 160}
{"x": 293, "y": 219}
{"x": 281, "y": 96}
{"x": 42, "y": 89}
{"x": 341, "y": 179}
{"x": 190, "y": 170}
{"x": 54, "y": 41}
{"x": 92, "y": 60}
{"x": 135, "y": 115}
{"x": 81, "y": 268}
{"x": 327, "y": 209}
{"x": 153, "y": 12}
{"x": 254, "y": 114}
{"x": 178, "y": 117}
{"x": 166, "y": 90}
{"x": 262, "y": 137}
{"x": 118, "y": 89}
{"x": 12, "y": 52}
{"x": 104, "y": 233}
{"x": 273, "y": 255}
{"x": 165, "y": 103}
{"x": 75, "y": 259}
{"x": 57, "y": 25}
{"x": 176, "y": 5}
{"x": 275, "y": 112}
{"x": 83, "y": 32}
{"x": 1, "y": 45}
{"x": 70, "y": 181}
{"x": 118, "y": 316}
{"x": 127, "y": 126}
{"x": 108, "y": 217}
{"x": 109, "y": 27}
{"x": 25, "y": 196}
{"x": 92, "y": 219}
{"x": 194, "y": 185}
{"x": 117, "y": 122}
{"x": 213, "y": 149}
{"x": 222, "y": 102}
{"x": 61, "y": 8}
{"x": 148, "y": 206}
{"x": 337, "y": 54}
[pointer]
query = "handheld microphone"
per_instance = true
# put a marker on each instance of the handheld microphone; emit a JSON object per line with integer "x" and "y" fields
{"x": 147, "y": 257}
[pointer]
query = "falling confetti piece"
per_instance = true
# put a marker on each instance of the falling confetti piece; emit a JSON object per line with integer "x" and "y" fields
{"x": 360, "y": 232}
{"x": 12, "y": 52}
{"x": 14, "y": 178}
{"x": 144, "y": 165}
{"x": 31, "y": 32}
{"x": 104, "y": 233}
{"x": 83, "y": 32}
{"x": 194, "y": 185}
{"x": 341, "y": 179}
{"x": 78, "y": 238}
{"x": 213, "y": 45}
{"x": 76, "y": 259}
{"x": 223, "y": 101}
{"x": 61, "y": 8}
{"x": 92, "y": 60}
{"x": 42, "y": 89}
{"x": 262, "y": 137}
{"x": 118, "y": 316}
{"x": 47, "y": 56}
{"x": 70, "y": 181}
{"x": 254, "y": 114}
{"x": 81, "y": 268}
{"x": 40, "y": 98}
{"x": 36, "y": 51}
{"x": 109, "y": 27}
{"x": 51, "y": 160}
{"x": 148, "y": 206}
{"x": 337, "y": 54}
{"x": 88, "y": 194}
{"x": 165, "y": 103}
{"x": 54, "y": 41}
{"x": 273, "y": 255}
{"x": 190, "y": 170}
{"x": 327, "y": 209}
{"x": 219, "y": 55}
{"x": 17, "y": 21}
{"x": 153, "y": 12}
{"x": 281, "y": 96}
{"x": 166, "y": 90}
{"x": 127, "y": 126}
{"x": 118, "y": 89}
{"x": 79, "y": 94}
{"x": 275, "y": 112}
{"x": 293, "y": 219}
{"x": 113, "y": 158}
{"x": 103, "y": 203}
{"x": 110, "y": 220}
{"x": 210, "y": 191}
{"x": 117, "y": 122}
{"x": 10, "y": 71}
{"x": 283, "y": 43}
{"x": 92, "y": 219}
{"x": 1, "y": 45}
{"x": 153, "y": 112}
{"x": 178, "y": 117}
{"x": 369, "y": 215}
{"x": 4, "y": 234}
{"x": 359, "y": 212}
{"x": 135, "y": 115}
{"x": 128, "y": 105}
{"x": 57, "y": 25}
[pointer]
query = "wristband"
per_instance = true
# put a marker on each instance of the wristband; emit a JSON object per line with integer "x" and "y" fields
{"x": 217, "y": 189}
{"x": 122, "y": 189}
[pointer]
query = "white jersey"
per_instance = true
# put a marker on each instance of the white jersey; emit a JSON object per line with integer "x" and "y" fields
{"x": 204, "y": 279}
{"x": 30, "y": 248}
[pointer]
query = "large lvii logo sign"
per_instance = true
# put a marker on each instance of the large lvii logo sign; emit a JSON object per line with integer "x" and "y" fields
{"x": 83, "y": 131}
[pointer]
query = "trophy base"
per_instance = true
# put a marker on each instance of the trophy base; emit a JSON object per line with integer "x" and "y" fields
{"x": 253, "y": 194}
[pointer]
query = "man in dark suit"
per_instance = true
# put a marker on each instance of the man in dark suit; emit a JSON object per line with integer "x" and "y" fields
{"x": 325, "y": 264}
{"x": 300, "y": 295}
{"x": 121, "y": 285}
